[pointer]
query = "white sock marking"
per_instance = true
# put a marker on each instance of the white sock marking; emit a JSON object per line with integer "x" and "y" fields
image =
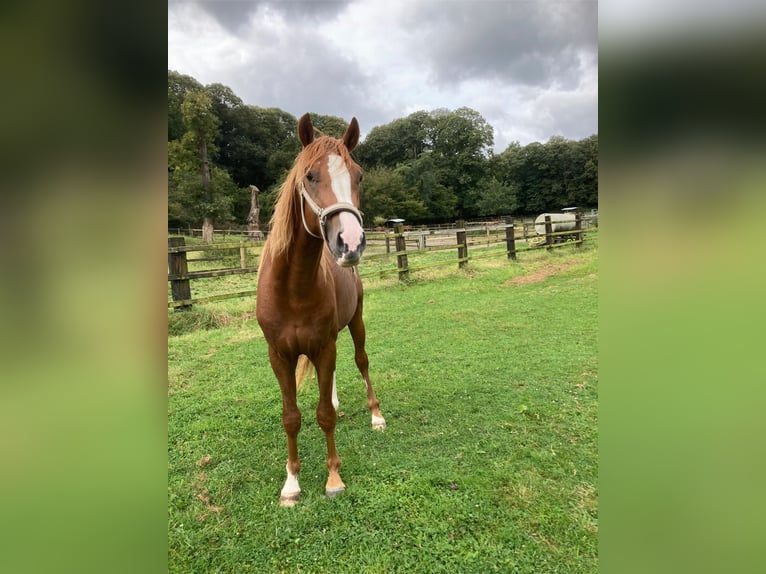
{"x": 291, "y": 487}
{"x": 335, "y": 402}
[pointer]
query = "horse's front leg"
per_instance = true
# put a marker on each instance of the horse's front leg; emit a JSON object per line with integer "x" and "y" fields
{"x": 291, "y": 421}
{"x": 326, "y": 417}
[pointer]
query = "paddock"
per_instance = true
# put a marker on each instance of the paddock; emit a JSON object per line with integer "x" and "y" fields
{"x": 489, "y": 462}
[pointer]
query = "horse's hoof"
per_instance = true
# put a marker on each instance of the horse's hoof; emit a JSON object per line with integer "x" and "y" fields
{"x": 378, "y": 424}
{"x": 289, "y": 499}
{"x": 333, "y": 492}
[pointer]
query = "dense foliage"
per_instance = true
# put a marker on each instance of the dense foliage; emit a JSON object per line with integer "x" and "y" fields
{"x": 430, "y": 166}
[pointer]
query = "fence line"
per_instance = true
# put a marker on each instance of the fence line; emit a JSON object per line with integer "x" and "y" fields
{"x": 180, "y": 277}
{"x": 523, "y": 224}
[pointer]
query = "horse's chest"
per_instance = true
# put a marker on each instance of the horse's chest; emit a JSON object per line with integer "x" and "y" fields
{"x": 299, "y": 328}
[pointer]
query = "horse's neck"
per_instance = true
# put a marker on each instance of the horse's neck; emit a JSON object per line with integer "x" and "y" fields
{"x": 302, "y": 265}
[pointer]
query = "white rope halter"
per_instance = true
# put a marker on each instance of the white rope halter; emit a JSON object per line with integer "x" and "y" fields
{"x": 323, "y": 213}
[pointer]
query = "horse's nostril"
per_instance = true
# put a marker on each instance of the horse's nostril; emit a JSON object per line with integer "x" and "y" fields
{"x": 341, "y": 245}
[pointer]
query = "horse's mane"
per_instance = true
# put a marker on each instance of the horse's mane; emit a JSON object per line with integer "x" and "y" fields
{"x": 287, "y": 208}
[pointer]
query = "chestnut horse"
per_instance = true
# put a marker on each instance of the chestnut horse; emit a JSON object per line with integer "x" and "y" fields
{"x": 309, "y": 289}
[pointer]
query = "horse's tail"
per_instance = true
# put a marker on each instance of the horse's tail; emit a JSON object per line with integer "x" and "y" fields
{"x": 304, "y": 371}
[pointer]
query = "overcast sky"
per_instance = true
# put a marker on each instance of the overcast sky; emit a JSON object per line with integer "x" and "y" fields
{"x": 529, "y": 67}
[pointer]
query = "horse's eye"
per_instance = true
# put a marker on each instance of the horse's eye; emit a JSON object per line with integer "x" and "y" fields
{"x": 361, "y": 177}
{"x": 310, "y": 176}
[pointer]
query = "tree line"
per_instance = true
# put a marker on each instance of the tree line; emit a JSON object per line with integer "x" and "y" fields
{"x": 431, "y": 166}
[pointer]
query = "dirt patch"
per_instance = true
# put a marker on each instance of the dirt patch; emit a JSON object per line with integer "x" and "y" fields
{"x": 204, "y": 461}
{"x": 542, "y": 273}
{"x": 201, "y": 492}
{"x": 177, "y": 381}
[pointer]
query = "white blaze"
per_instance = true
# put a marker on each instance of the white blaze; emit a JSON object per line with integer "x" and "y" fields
{"x": 340, "y": 178}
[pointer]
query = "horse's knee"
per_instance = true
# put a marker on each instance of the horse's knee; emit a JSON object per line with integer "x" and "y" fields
{"x": 291, "y": 421}
{"x": 326, "y": 418}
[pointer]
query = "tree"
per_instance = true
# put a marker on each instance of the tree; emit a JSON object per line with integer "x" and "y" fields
{"x": 259, "y": 149}
{"x": 224, "y": 104}
{"x": 587, "y": 176}
{"x": 198, "y": 189}
{"x": 550, "y": 176}
{"x": 332, "y": 126}
{"x": 443, "y": 152}
{"x": 402, "y": 140}
{"x": 493, "y": 197}
{"x": 462, "y": 144}
{"x": 385, "y": 194}
{"x": 202, "y": 125}
{"x": 428, "y": 166}
{"x": 179, "y": 85}
{"x": 188, "y": 201}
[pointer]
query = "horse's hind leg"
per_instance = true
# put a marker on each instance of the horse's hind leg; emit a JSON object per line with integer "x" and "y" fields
{"x": 291, "y": 421}
{"x": 358, "y": 334}
{"x": 326, "y": 416}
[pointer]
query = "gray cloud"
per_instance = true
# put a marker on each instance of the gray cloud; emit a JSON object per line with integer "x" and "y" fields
{"x": 528, "y": 67}
{"x": 234, "y": 14}
{"x": 231, "y": 14}
{"x": 310, "y": 77}
{"x": 530, "y": 43}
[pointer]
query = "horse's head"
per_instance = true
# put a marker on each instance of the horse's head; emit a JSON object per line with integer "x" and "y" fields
{"x": 330, "y": 190}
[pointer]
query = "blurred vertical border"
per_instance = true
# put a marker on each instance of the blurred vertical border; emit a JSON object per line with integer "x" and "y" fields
{"x": 82, "y": 314}
{"x": 683, "y": 304}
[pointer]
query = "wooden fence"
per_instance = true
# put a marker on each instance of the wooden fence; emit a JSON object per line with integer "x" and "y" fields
{"x": 526, "y": 224}
{"x": 180, "y": 277}
{"x": 470, "y": 243}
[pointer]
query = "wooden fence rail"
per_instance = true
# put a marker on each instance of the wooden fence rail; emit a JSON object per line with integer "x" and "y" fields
{"x": 481, "y": 241}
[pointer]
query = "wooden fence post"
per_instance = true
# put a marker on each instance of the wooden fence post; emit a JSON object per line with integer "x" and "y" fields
{"x": 178, "y": 266}
{"x": 462, "y": 248}
{"x": 242, "y": 259}
{"x": 401, "y": 257}
{"x": 510, "y": 238}
{"x": 578, "y": 230}
{"x": 548, "y": 233}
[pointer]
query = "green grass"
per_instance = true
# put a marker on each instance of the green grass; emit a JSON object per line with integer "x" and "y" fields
{"x": 488, "y": 381}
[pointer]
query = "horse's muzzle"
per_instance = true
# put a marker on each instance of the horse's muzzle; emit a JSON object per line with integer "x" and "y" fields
{"x": 344, "y": 255}
{"x": 347, "y": 243}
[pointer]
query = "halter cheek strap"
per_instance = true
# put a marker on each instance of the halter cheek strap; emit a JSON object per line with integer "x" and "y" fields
{"x": 323, "y": 213}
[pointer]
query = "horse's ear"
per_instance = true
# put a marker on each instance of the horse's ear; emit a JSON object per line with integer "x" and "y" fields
{"x": 305, "y": 130}
{"x": 351, "y": 137}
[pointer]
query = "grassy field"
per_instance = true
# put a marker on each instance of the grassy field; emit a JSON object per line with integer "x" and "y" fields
{"x": 488, "y": 381}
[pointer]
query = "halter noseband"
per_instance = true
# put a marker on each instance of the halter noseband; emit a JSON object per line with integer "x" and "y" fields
{"x": 323, "y": 213}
